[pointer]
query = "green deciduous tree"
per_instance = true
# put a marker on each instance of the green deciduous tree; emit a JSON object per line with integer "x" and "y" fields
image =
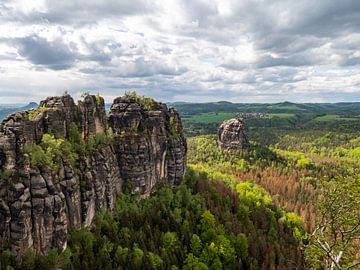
{"x": 334, "y": 244}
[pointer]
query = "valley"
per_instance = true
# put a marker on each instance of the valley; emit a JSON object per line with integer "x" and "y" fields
{"x": 262, "y": 207}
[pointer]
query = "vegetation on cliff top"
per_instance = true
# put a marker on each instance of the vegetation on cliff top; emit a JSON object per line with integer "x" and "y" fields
{"x": 147, "y": 102}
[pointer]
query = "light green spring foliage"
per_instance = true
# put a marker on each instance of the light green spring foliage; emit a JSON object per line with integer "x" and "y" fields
{"x": 213, "y": 173}
{"x": 298, "y": 158}
{"x": 52, "y": 150}
{"x": 32, "y": 114}
{"x": 251, "y": 193}
{"x": 204, "y": 150}
{"x": 147, "y": 102}
{"x": 340, "y": 147}
{"x": 98, "y": 99}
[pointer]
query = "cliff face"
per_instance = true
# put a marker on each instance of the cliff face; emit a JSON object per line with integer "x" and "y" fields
{"x": 38, "y": 206}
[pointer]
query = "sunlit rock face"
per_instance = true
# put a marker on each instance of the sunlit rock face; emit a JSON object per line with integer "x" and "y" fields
{"x": 231, "y": 135}
{"x": 38, "y": 206}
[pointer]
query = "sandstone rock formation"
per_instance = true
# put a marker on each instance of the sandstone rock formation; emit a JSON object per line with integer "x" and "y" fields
{"x": 38, "y": 206}
{"x": 231, "y": 135}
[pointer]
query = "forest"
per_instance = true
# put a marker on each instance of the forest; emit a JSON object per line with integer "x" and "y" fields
{"x": 284, "y": 118}
{"x": 291, "y": 200}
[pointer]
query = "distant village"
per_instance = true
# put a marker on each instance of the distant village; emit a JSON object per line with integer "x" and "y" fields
{"x": 245, "y": 115}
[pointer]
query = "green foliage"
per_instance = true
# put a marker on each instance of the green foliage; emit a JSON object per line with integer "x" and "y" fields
{"x": 155, "y": 261}
{"x": 74, "y": 134}
{"x": 291, "y": 220}
{"x": 52, "y": 150}
{"x": 252, "y": 194}
{"x": 204, "y": 149}
{"x": 98, "y": 99}
{"x": 196, "y": 225}
{"x": 32, "y": 114}
{"x": 38, "y": 157}
{"x": 193, "y": 263}
{"x": 7, "y": 258}
{"x": 102, "y": 139}
{"x": 297, "y": 158}
{"x": 173, "y": 129}
{"x": 6, "y": 175}
{"x": 334, "y": 244}
{"x": 207, "y": 118}
{"x": 196, "y": 245}
{"x": 146, "y": 102}
{"x": 170, "y": 241}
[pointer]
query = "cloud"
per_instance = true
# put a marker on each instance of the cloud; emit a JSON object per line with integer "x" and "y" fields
{"x": 75, "y": 12}
{"x": 53, "y": 55}
{"x": 183, "y": 50}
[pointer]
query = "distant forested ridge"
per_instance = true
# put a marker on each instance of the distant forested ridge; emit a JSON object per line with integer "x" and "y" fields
{"x": 204, "y": 118}
{"x": 6, "y": 110}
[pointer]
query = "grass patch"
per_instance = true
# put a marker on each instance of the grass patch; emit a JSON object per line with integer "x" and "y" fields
{"x": 211, "y": 117}
{"x": 333, "y": 117}
{"x": 282, "y": 115}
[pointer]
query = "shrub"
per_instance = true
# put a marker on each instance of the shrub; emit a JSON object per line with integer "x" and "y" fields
{"x": 148, "y": 103}
{"x": 32, "y": 114}
{"x": 98, "y": 99}
{"x": 38, "y": 157}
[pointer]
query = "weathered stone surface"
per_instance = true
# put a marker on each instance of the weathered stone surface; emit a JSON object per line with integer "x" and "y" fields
{"x": 93, "y": 115}
{"x": 150, "y": 144}
{"x": 231, "y": 135}
{"x": 39, "y": 206}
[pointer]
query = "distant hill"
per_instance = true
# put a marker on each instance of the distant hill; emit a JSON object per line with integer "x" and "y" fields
{"x": 31, "y": 105}
{"x": 345, "y": 108}
{"x": 6, "y": 110}
{"x": 205, "y": 118}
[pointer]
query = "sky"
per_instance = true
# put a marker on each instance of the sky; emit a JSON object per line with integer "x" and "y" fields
{"x": 191, "y": 50}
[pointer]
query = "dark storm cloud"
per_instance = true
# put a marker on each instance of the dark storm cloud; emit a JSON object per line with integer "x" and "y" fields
{"x": 53, "y": 55}
{"x": 58, "y": 54}
{"x": 78, "y": 12}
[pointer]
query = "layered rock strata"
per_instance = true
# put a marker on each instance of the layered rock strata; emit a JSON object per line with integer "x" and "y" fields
{"x": 38, "y": 206}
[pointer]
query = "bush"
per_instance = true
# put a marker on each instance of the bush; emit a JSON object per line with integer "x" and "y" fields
{"x": 38, "y": 157}
{"x": 148, "y": 103}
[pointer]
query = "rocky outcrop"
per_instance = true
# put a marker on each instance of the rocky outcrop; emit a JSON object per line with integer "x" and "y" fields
{"x": 150, "y": 144}
{"x": 38, "y": 206}
{"x": 231, "y": 135}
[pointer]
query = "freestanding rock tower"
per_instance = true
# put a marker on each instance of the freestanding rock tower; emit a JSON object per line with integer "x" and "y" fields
{"x": 232, "y": 135}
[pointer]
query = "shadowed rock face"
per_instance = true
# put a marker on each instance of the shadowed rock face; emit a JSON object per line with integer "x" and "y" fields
{"x": 231, "y": 135}
{"x": 2, "y": 159}
{"x": 39, "y": 206}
